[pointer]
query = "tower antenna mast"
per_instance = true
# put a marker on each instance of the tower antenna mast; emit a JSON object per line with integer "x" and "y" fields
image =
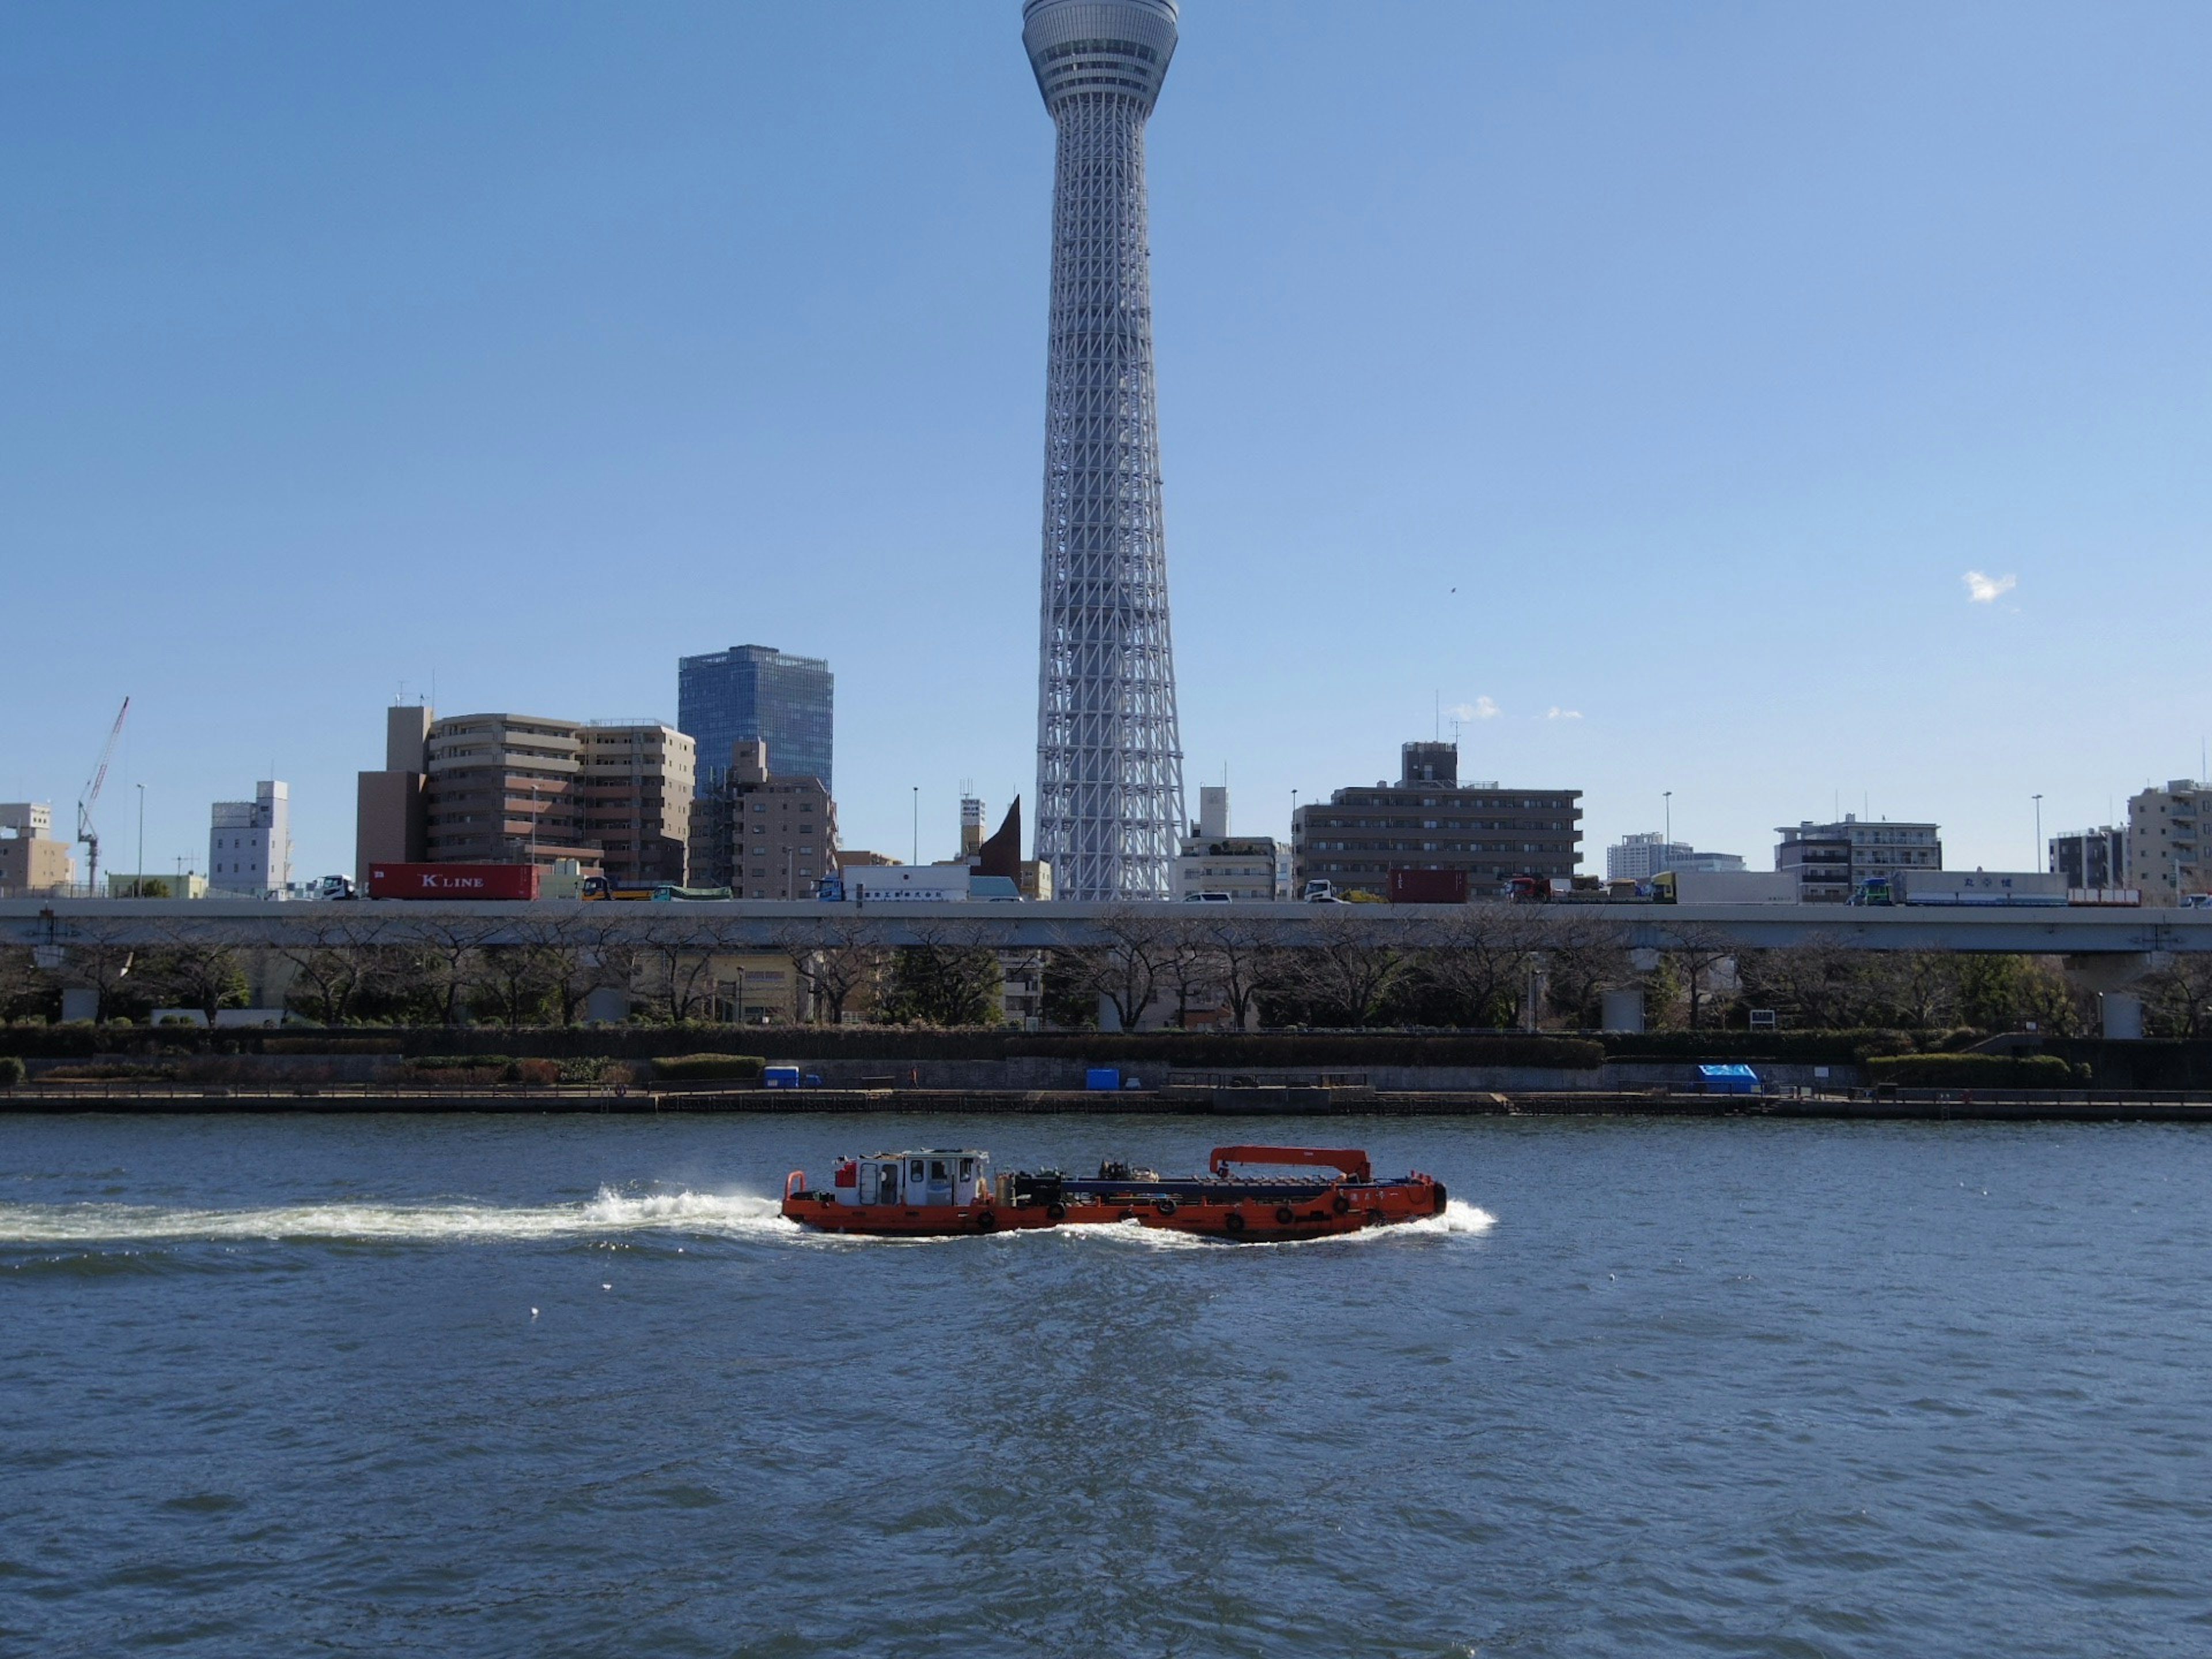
{"x": 1109, "y": 747}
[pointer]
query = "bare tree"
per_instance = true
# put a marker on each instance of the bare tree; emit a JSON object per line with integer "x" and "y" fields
{"x": 1585, "y": 955}
{"x": 518, "y": 977}
{"x": 1189, "y": 968}
{"x": 1347, "y": 974}
{"x": 336, "y": 961}
{"x": 836, "y": 963}
{"x": 198, "y": 969}
{"x": 1821, "y": 983}
{"x": 580, "y": 951}
{"x": 99, "y": 960}
{"x": 23, "y": 985}
{"x": 1699, "y": 951}
{"x": 1475, "y": 960}
{"x": 444, "y": 958}
{"x": 946, "y": 975}
{"x": 1236, "y": 960}
{"x": 676, "y": 959}
{"x": 1124, "y": 968}
{"x": 1917, "y": 989}
{"x": 2180, "y": 995}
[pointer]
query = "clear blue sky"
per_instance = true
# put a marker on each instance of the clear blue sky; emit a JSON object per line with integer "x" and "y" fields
{"x": 1666, "y": 367}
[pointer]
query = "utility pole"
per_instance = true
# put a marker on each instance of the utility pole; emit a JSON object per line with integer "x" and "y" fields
{"x": 1667, "y": 838}
{"x": 917, "y": 823}
{"x": 138, "y": 879}
{"x": 2042, "y": 856}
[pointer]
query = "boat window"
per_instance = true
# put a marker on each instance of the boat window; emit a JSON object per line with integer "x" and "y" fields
{"x": 937, "y": 1169}
{"x": 915, "y": 1173}
{"x": 967, "y": 1169}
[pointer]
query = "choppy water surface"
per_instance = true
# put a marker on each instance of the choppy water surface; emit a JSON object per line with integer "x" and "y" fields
{"x": 567, "y": 1386}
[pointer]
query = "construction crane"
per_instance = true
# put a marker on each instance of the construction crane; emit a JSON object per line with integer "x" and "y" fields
{"x": 85, "y": 832}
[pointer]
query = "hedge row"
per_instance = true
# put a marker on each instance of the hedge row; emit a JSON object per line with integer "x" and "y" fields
{"x": 1815, "y": 1048}
{"x": 1200, "y": 1050}
{"x": 679, "y": 1067}
{"x": 1975, "y": 1071}
{"x": 487, "y": 1044}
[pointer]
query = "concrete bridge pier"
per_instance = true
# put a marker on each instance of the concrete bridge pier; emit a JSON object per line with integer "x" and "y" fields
{"x": 2120, "y": 1009}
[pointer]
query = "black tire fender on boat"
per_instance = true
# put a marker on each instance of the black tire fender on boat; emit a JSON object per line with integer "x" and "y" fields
{"x": 1438, "y": 1194}
{"x": 1343, "y": 1204}
{"x": 1165, "y": 1205}
{"x": 1284, "y": 1216}
{"x": 1056, "y": 1211}
{"x": 987, "y": 1221}
{"x": 1233, "y": 1221}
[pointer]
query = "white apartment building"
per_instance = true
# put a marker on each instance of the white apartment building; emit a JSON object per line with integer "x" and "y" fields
{"x": 1250, "y": 869}
{"x": 1829, "y": 860}
{"x": 250, "y": 842}
{"x": 31, "y": 819}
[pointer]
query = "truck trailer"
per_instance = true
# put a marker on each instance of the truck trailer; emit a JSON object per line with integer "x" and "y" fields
{"x": 1428, "y": 887}
{"x": 1977, "y": 887}
{"x": 1724, "y": 887}
{"x": 452, "y": 881}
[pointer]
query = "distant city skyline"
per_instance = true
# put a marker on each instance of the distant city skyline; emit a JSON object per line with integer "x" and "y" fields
{"x": 1799, "y": 412}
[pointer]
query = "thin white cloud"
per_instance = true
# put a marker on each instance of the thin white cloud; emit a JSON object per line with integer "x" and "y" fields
{"x": 1556, "y": 713}
{"x": 1987, "y": 590}
{"x": 1482, "y": 708}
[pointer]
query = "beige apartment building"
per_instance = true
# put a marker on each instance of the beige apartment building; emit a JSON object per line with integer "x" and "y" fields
{"x": 762, "y": 835}
{"x": 2166, "y": 854}
{"x": 637, "y": 783}
{"x": 34, "y": 866}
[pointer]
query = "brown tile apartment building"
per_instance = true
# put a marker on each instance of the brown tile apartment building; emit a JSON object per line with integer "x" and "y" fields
{"x": 529, "y": 789}
{"x": 762, "y": 835}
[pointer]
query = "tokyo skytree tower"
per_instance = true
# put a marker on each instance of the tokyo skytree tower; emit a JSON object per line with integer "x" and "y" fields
{"x": 1109, "y": 756}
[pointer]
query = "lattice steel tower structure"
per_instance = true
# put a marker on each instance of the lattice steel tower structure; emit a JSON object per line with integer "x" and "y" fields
{"x": 1109, "y": 756}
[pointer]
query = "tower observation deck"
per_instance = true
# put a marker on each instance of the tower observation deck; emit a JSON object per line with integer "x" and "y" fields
{"x": 1109, "y": 754}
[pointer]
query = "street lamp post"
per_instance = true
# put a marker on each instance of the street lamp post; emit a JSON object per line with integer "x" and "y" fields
{"x": 917, "y": 823}
{"x": 138, "y": 880}
{"x": 2039, "y": 851}
{"x": 1666, "y": 838}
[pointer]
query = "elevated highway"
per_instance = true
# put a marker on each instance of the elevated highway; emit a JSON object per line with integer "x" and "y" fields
{"x": 751, "y": 925}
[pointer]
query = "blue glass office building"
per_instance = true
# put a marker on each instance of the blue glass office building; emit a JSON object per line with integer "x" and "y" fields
{"x": 757, "y": 691}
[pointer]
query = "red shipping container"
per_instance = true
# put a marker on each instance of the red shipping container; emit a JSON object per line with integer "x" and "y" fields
{"x": 452, "y": 881}
{"x": 1428, "y": 887}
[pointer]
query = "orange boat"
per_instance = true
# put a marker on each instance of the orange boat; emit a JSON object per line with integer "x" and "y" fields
{"x": 939, "y": 1193}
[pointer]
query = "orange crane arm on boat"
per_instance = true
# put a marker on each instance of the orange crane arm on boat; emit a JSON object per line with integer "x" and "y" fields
{"x": 1352, "y": 1161}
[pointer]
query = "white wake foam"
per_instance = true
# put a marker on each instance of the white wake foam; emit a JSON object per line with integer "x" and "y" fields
{"x": 722, "y": 1215}
{"x": 1458, "y": 1218}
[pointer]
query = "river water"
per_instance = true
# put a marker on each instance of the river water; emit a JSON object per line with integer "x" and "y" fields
{"x": 465, "y": 1385}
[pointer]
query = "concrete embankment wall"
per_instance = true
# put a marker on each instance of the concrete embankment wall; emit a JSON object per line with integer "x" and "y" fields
{"x": 1247, "y": 1107}
{"x": 1033, "y": 1072}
